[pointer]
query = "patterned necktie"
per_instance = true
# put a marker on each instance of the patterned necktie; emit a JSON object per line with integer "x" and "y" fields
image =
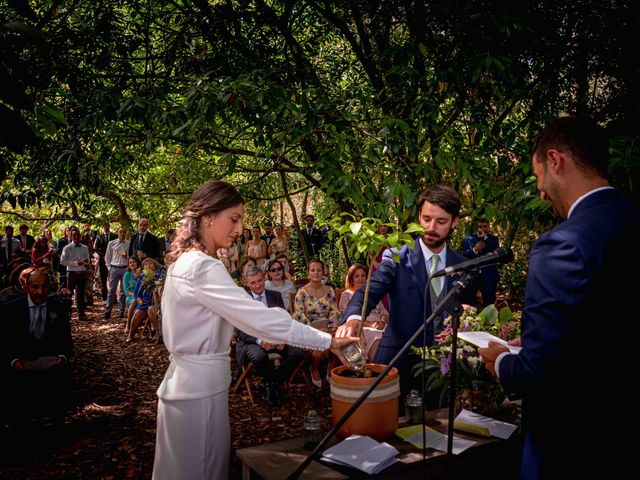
{"x": 436, "y": 283}
{"x": 259, "y": 298}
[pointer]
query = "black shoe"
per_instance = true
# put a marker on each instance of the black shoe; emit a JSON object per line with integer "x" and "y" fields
{"x": 273, "y": 394}
{"x": 279, "y": 393}
{"x": 269, "y": 394}
{"x": 106, "y": 316}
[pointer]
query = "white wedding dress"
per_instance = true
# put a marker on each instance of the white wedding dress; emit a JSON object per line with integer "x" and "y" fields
{"x": 200, "y": 307}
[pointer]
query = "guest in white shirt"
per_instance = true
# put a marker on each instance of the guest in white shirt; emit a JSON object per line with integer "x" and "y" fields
{"x": 75, "y": 257}
{"x": 201, "y": 305}
{"x": 117, "y": 260}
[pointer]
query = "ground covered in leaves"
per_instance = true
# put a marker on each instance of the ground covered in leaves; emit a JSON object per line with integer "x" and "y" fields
{"x": 109, "y": 433}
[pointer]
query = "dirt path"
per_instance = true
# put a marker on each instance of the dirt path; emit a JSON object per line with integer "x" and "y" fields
{"x": 110, "y": 431}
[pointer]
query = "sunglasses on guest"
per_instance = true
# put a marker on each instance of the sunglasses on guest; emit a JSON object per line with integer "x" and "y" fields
{"x": 273, "y": 270}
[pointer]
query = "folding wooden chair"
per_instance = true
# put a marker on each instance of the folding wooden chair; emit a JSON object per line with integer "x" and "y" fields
{"x": 299, "y": 369}
{"x": 244, "y": 377}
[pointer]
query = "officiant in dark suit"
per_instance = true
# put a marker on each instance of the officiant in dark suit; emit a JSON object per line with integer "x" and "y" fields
{"x": 36, "y": 347}
{"x": 579, "y": 292}
{"x": 255, "y": 350}
{"x": 144, "y": 243}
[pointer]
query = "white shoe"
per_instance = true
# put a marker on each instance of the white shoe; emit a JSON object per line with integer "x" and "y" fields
{"x": 317, "y": 383}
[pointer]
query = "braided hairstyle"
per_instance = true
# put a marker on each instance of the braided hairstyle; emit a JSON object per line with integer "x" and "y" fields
{"x": 211, "y": 198}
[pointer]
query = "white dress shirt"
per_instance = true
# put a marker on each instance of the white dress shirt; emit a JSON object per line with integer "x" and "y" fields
{"x": 73, "y": 255}
{"x": 113, "y": 256}
{"x": 427, "y": 254}
{"x": 260, "y": 298}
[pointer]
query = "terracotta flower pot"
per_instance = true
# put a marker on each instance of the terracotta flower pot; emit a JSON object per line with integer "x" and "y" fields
{"x": 377, "y": 417}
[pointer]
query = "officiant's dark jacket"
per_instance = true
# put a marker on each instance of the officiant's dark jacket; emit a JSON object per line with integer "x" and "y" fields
{"x": 575, "y": 362}
{"x": 17, "y": 341}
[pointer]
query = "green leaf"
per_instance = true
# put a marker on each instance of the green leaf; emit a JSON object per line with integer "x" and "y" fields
{"x": 355, "y": 227}
{"x": 490, "y": 313}
{"x": 414, "y": 228}
{"x": 505, "y": 315}
{"x": 392, "y": 239}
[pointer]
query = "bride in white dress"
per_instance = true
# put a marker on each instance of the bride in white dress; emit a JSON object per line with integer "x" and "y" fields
{"x": 200, "y": 307}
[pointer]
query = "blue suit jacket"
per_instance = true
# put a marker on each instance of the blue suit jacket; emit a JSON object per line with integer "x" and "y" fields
{"x": 489, "y": 273}
{"x": 577, "y": 298}
{"x": 405, "y": 283}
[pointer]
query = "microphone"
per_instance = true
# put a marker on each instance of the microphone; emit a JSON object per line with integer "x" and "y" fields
{"x": 498, "y": 256}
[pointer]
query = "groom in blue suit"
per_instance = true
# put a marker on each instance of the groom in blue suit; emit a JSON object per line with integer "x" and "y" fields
{"x": 406, "y": 281}
{"x": 578, "y": 289}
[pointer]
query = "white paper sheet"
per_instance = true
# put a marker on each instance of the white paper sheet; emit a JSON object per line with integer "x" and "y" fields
{"x": 482, "y": 339}
{"x": 438, "y": 441}
{"x": 363, "y": 453}
{"x": 41, "y": 363}
{"x": 496, "y": 428}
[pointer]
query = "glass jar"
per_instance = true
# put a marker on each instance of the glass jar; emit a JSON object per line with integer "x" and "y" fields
{"x": 413, "y": 408}
{"x": 311, "y": 430}
{"x": 355, "y": 357}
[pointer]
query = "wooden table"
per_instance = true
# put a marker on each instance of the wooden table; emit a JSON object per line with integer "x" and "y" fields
{"x": 489, "y": 457}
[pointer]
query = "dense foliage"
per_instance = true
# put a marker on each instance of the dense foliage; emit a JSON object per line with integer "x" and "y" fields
{"x": 119, "y": 108}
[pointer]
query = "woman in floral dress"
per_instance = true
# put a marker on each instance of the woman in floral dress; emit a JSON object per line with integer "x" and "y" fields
{"x": 315, "y": 305}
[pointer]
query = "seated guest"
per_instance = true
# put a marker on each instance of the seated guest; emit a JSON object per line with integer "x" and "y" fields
{"x": 278, "y": 283}
{"x": 151, "y": 272}
{"x": 288, "y": 268}
{"x": 315, "y": 305}
{"x": 16, "y": 281}
{"x": 246, "y": 263}
{"x": 129, "y": 280}
{"x": 255, "y": 350}
{"x": 376, "y": 322}
{"x": 38, "y": 344}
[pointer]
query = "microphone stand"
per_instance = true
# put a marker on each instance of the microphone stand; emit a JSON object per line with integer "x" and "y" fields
{"x": 450, "y": 299}
{"x": 456, "y": 311}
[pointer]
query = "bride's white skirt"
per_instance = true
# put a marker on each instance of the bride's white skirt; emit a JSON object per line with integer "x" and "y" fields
{"x": 193, "y": 439}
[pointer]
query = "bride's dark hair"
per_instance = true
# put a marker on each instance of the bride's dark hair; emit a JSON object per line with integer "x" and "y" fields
{"x": 211, "y": 198}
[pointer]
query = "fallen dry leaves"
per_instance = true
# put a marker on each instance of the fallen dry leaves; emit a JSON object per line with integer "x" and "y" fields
{"x": 110, "y": 429}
